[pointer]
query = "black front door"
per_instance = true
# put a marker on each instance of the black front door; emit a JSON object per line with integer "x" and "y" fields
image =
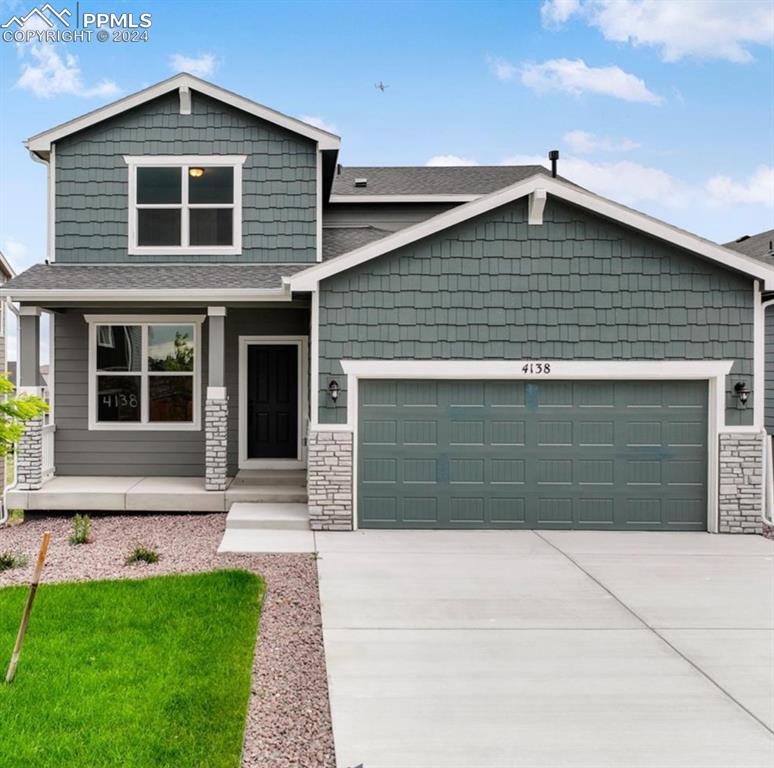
{"x": 272, "y": 401}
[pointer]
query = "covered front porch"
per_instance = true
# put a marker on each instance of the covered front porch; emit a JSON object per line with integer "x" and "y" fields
{"x": 175, "y": 404}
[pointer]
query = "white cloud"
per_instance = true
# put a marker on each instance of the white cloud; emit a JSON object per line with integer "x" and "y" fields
{"x": 449, "y": 160}
{"x": 52, "y": 75}
{"x": 624, "y": 181}
{"x": 576, "y": 77}
{"x": 758, "y": 188}
{"x": 17, "y": 254}
{"x": 319, "y": 122}
{"x": 201, "y": 66}
{"x": 584, "y": 143}
{"x": 502, "y": 69}
{"x": 556, "y": 12}
{"x": 708, "y": 29}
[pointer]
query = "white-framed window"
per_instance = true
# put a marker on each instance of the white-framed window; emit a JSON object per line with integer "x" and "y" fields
{"x": 144, "y": 372}
{"x": 185, "y": 204}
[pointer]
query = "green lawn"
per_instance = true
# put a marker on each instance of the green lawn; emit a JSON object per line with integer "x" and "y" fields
{"x": 136, "y": 674}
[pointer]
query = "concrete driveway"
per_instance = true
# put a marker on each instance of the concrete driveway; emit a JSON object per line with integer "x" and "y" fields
{"x": 505, "y": 649}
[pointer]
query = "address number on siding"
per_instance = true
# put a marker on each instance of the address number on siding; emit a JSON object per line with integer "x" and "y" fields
{"x": 538, "y": 368}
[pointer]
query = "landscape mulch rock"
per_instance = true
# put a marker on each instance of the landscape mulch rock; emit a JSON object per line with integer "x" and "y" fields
{"x": 288, "y": 722}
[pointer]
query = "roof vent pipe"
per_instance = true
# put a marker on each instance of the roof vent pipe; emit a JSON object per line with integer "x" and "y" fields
{"x": 553, "y": 156}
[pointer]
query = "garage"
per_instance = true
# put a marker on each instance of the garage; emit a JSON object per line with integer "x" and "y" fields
{"x": 537, "y": 453}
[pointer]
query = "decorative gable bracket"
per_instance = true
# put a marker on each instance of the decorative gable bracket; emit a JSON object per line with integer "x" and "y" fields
{"x": 537, "y": 204}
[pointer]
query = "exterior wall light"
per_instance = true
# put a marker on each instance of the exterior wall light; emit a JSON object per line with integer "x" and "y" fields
{"x": 741, "y": 391}
{"x": 196, "y": 172}
{"x": 333, "y": 390}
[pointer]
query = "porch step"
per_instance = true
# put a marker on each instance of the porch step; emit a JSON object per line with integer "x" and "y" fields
{"x": 257, "y": 477}
{"x": 282, "y": 494}
{"x": 247, "y": 516}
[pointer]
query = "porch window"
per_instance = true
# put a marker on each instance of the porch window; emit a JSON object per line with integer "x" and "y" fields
{"x": 144, "y": 373}
{"x": 185, "y": 204}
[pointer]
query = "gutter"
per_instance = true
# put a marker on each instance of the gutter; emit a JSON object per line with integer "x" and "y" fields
{"x": 150, "y": 294}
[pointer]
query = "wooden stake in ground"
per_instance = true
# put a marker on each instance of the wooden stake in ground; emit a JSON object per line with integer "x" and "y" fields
{"x": 28, "y": 607}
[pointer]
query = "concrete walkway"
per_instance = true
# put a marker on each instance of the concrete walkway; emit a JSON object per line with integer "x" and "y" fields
{"x": 552, "y": 649}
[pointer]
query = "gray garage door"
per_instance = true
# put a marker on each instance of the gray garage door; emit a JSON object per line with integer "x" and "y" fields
{"x": 545, "y": 454}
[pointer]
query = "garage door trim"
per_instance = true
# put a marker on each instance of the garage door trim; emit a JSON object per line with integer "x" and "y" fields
{"x": 712, "y": 371}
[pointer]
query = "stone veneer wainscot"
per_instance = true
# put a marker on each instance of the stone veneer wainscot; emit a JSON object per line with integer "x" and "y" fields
{"x": 741, "y": 482}
{"x": 329, "y": 480}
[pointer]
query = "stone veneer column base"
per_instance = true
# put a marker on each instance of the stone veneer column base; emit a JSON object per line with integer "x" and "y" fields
{"x": 741, "y": 482}
{"x": 29, "y": 457}
{"x": 215, "y": 432}
{"x": 329, "y": 480}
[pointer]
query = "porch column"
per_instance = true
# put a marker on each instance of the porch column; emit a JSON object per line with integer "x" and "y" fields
{"x": 29, "y": 452}
{"x": 216, "y": 405}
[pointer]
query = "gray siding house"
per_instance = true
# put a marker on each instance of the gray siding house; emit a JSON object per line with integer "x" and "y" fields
{"x": 234, "y": 312}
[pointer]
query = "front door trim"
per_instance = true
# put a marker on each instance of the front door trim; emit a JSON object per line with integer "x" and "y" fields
{"x": 301, "y": 343}
{"x": 712, "y": 371}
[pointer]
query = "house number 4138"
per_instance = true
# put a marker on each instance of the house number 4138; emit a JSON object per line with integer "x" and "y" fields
{"x": 536, "y": 368}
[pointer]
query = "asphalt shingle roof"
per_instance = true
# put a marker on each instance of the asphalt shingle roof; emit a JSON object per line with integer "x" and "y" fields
{"x": 431, "y": 180}
{"x": 760, "y": 246}
{"x": 338, "y": 240}
{"x": 153, "y": 276}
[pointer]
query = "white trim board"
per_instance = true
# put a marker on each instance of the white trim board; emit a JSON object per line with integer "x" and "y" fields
{"x": 308, "y": 279}
{"x": 712, "y": 371}
{"x": 301, "y": 342}
{"x": 41, "y": 142}
{"x": 192, "y": 295}
{"x": 420, "y": 198}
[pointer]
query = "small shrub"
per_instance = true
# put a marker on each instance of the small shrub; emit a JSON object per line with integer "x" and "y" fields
{"x": 81, "y": 530}
{"x": 10, "y": 560}
{"x": 142, "y": 555}
{"x": 15, "y": 517}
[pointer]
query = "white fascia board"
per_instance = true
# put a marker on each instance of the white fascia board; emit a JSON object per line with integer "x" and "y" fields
{"x": 308, "y": 279}
{"x": 206, "y": 296}
{"x": 429, "y": 198}
{"x": 558, "y": 369}
{"x": 6, "y": 267}
{"x": 41, "y": 142}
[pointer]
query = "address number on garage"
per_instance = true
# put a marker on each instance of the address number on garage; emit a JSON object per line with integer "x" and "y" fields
{"x": 536, "y": 368}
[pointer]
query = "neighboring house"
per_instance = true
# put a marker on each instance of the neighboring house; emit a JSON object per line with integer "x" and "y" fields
{"x": 761, "y": 247}
{"x": 6, "y": 273}
{"x": 436, "y": 347}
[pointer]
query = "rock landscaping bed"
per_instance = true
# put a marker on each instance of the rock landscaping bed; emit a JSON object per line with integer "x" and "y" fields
{"x": 288, "y": 722}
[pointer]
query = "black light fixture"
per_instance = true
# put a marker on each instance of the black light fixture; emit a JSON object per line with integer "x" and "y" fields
{"x": 333, "y": 390}
{"x": 741, "y": 391}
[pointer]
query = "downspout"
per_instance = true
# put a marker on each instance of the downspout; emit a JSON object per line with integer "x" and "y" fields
{"x": 767, "y": 509}
{"x": 4, "y": 507}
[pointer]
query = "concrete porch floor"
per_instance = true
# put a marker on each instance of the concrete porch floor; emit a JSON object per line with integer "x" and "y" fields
{"x": 159, "y": 494}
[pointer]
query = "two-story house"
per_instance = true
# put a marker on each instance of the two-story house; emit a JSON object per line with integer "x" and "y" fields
{"x": 234, "y": 315}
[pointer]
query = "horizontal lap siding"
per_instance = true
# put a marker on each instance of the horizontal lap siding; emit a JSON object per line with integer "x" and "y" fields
{"x": 576, "y": 288}
{"x": 279, "y": 187}
{"x": 79, "y": 451}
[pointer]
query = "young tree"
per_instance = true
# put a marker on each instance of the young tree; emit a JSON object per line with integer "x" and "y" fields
{"x": 14, "y": 412}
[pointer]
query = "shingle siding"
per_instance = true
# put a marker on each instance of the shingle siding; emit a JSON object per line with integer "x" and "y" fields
{"x": 769, "y": 372}
{"x": 126, "y": 453}
{"x": 578, "y": 287}
{"x": 279, "y": 180}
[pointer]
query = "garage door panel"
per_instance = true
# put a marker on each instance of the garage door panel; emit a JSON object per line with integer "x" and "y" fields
{"x": 558, "y": 454}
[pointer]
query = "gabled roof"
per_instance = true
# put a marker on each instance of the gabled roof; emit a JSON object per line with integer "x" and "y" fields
{"x": 41, "y": 142}
{"x": 760, "y": 246}
{"x": 413, "y": 184}
{"x": 537, "y": 186}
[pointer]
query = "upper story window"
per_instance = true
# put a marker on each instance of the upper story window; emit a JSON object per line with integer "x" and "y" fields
{"x": 185, "y": 204}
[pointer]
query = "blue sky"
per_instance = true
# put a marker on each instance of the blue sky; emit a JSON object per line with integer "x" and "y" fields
{"x": 663, "y": 106}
